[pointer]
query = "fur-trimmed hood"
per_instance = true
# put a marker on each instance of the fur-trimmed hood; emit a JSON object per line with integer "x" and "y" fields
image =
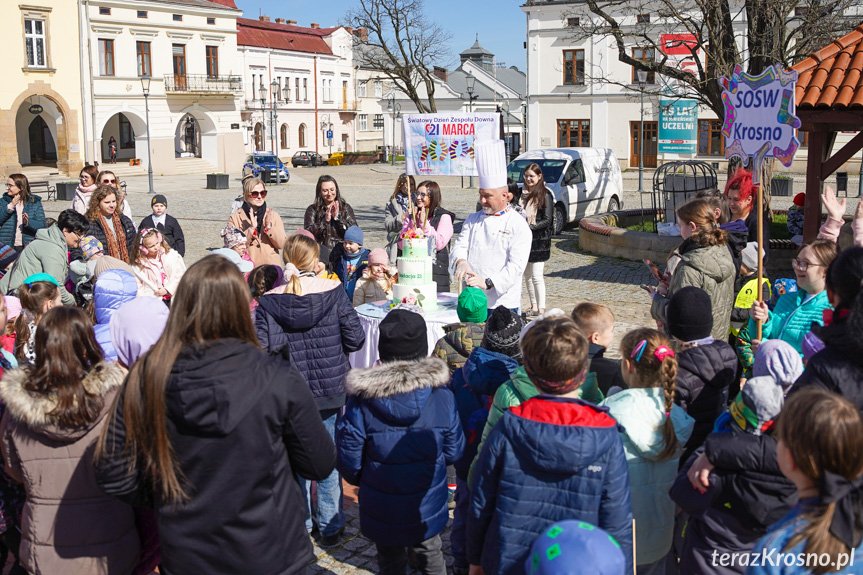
{"x": 34, "y": 410}
{"x": 398, "y": 391}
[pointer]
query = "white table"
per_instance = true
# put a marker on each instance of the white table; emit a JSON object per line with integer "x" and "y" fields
{"x": 372, "y": 314}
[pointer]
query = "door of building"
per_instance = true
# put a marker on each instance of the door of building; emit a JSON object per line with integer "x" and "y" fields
{"x": 42, "y": 148}
{"x": 179, "y": 53}
{"x": 651, "y": 133}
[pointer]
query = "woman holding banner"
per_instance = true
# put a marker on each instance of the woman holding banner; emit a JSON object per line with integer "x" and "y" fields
{"x": 741, "y": 199}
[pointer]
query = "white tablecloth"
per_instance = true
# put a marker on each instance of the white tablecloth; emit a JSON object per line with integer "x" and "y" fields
{"x": 371, "y": 316}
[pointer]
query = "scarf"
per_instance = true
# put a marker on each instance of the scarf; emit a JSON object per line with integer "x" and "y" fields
{"x": 402, "y": 201}
{"x": 529, "y": 208}
{"x": 116, "y": 245}
{"x": 87, "y": 189}
{"x": 259, "y": 213}
{"x": 556, "y": 387}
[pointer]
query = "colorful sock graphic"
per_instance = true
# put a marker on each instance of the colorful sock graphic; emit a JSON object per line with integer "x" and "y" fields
{"x": 730, "y": 114}
{"x": 786, "y": 156}
{"x": 435, "y": 149}
{"x": 786, "y": 77}
{"x": 453, "y": 150}
{"x": 756, "y": 161}
{"x": 470, "y": 151}
{"x": 756, "y": 82}
{"x": 735, "y": 149}
{"x": 784, "y": 117}
{"x": 424, "y": 156}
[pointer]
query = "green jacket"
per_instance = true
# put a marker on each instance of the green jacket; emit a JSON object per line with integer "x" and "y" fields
{"x": 709, "y": 268}
{"x": 516, "y": 391}
{"x": 47, "y": 253}
{"x": 458, "y": 342}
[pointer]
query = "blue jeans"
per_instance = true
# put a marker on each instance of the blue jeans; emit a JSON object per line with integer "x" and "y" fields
{"x": 458, "y": 536}
{"x": 327, "y": 511}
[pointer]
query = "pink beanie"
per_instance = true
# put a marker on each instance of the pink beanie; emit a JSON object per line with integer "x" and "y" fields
{"x": 305, "y": 232}
{"x": 13, "y": 307}
{"x": 378, "y": 256}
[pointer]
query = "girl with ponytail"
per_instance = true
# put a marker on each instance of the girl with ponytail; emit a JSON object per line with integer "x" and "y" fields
{"x": 820, "y": 449}
{"x": 38, "y": 294}
{"x": 655, "y": 430}
{"x": 705, "y": 262}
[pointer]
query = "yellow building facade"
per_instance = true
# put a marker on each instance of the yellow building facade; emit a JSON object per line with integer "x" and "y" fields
{"x": 41, "y": 115}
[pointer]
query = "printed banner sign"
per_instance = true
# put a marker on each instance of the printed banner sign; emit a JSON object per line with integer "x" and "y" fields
{"x": 678, "y": 126}
{"x": 443, "y": 144}
{"x": 760, "y": 118}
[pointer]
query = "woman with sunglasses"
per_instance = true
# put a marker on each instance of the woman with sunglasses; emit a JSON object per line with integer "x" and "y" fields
{"x": 330, "y": 216}
{"x": 107, "y": 178}
{"x": 265, "y": 232}
{"x": 396, "y": 211}
{"x": 795, "y": 312}
{"x": 88, "y": 181}
{"x": 437, "y": 223}
{"x": 23, "y": 214}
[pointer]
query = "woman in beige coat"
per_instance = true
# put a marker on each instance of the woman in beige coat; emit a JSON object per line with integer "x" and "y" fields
{"x": 55, "y": 411}
{"x": 263, "y": 227}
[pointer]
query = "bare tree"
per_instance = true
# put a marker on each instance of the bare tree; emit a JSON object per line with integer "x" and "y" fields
{"x": 402, "y": 44}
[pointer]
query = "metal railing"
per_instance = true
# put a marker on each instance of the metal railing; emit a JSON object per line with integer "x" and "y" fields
{"x": 348, "y": 105}
{"x": 203, "y": 84}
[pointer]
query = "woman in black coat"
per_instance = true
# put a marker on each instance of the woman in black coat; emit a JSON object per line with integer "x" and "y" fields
{"x": 212, "y": 431}
{"x": 330, "y": 216}
{"x": 538, "y": 204}
{"x": 109, "y": 225}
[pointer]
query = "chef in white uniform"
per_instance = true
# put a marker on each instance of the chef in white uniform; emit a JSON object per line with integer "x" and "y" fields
{"x": 492, "y": 249}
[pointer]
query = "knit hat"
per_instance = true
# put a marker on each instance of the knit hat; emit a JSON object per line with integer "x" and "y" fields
{"x": 13, "y": 307}
{"x": 91, "y": 246}
{"x": 749, "y": 255}
{"x": 811, "y": 345}
{"x": 378, "y": 256}
{"x": 778, "y": 360}
{"x": 305, "y": 232}
{"x": 800, "y": 200}
{"x": 756, "y": 406}
{"x": 354, "y": 234}
{"x": 232, "y": 236}
{"x": 403, "y": 336}
{"x": 8, "y": 255}
{"x": 244, "y": 265}
{"x": 689, "y": 314}
{"x": 130, "y": 337}
{"x": 159, "y": 199}
{"x": 472, "y": 305}
{"x": 502, "y": 332}
{"x": 575, "y": 548}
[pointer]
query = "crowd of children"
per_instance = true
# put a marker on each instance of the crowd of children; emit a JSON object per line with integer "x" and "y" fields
{"x": 704, "y": 449}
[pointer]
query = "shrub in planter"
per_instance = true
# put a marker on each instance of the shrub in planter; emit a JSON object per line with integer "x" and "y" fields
{"x": 66, "y": 190}
{"x": 781, "y": 185}
{"x": 217, "y": 181}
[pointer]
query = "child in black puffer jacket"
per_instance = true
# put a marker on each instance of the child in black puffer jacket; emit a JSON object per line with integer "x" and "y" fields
{"x": 705, "y": 366}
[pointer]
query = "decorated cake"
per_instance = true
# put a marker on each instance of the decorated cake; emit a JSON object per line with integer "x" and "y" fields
{"x": 415, "y": 273}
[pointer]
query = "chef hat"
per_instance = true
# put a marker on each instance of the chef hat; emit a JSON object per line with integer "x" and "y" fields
{"x": 491, "y": 164}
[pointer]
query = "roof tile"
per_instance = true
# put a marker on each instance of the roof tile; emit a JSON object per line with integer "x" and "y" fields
{"x": 832, "y": 77}
{"x": 282, "y": 36}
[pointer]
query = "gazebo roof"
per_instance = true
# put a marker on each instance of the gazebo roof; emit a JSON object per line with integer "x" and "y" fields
{"x": 832, "y": 77}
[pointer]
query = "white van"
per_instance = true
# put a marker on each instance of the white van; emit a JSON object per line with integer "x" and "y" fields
{"x": 584, "y": 181}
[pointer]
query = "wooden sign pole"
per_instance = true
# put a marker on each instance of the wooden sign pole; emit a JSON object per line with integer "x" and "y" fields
{"x": 759, "y": 191}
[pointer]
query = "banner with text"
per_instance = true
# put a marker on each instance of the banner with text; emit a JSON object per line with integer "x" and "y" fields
{"x": 678, "y": 126}
{"x": 443, "y": 144}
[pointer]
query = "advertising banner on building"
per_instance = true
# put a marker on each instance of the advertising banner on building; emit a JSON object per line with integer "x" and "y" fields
{"x": 443, "y": 144}
{"x": 678, "y": 126}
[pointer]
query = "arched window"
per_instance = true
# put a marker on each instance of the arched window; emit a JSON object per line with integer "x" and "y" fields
{"x": 259, "y": 137}
{"x": 283, "y": 136}
{"x": 302, "y": 140}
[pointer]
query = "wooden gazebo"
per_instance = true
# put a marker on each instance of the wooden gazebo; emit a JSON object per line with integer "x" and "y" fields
{"x": 829, "y": 100}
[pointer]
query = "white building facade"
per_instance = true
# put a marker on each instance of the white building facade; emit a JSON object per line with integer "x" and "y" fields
{"x": 189, "y": 50}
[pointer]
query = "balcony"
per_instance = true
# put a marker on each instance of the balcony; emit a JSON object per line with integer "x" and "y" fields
{"x": 203, "y": 84}
{"x": 348, "y": 106}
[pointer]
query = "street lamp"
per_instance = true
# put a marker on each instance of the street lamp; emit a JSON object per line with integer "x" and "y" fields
{"x": 396, "y": 111}
{"x": 275, "y": 94}
{"x": 262, "y": 93}
{"x": 325, "y": 123}
{"x": 505, "y": 109}
{"x": 642, "y": 80}
{"x": 145, "y": 86}
{"x": 471, "y": 87}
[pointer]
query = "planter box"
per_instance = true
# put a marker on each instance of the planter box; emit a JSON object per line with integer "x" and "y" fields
{"x": 781, "y": 187}
{"x": 217, "y": 181}
{"x": 66, "y": 191}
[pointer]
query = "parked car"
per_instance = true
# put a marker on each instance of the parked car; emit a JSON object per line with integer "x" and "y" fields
{"x": 308, "y": 159}
{"x": 584, "y": 181}
{"x": 258, "y": 162}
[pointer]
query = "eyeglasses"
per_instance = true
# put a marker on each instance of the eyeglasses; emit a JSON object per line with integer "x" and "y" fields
{"x": 262, "y": 194}
{"x": 109, "y": 181}
{"x": 421, "y": 195}
{"x": 803, "y": 265}
{"x": 10, "y": 186}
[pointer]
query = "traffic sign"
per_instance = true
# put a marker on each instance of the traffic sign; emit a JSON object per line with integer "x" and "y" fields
{"x": 329, "y": 134}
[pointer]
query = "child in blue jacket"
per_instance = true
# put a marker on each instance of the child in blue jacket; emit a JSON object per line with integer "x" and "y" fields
{"x": 399, "y": 432}
{"x": 549, "y": 459}
{"x": 349, "y": 259}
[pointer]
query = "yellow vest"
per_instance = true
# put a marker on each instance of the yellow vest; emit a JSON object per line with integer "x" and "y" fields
{"x": 747, "y": 296}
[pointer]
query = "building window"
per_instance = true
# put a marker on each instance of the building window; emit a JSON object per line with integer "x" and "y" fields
{"x": 106, "y": 57}
{"x": 211, "y": 21}
{"x": 283, "y": 136}
{"x": 364, "y": 122}
{"x": 710, "y": 139}
{"x": 144, "y": 68}
{"x": 573, "y": 67}
{"x": 34, "y": 42}
{"x": 642, "y": 19}
{"x": 302, "y": 136}
{"x": 361, "y": 88}
{"x": 212, "y": 61}
{"x": 297, "y": 89}
{"x": 801, "y": 11}
{"x": 645, "y": 55}
{"x": 379, "y": 89}
{"x": 142, "y": 13}
{"x": 573, "y": 133}
{"x": 287, "y": 89}
{"x": 178, "y": 17}
{"x": 104, "y": 11}
{"x": 378, "y": 122}
{"x": 305, "y": 89}
{"x": 127, "y": 136}
{"x": 573, "y": 22}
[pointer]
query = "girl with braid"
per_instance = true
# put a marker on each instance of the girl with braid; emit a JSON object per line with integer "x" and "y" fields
{"x": 654, "y": 432}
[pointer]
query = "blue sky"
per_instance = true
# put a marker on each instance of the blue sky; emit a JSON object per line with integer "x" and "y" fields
{"x": 502, "y": 28}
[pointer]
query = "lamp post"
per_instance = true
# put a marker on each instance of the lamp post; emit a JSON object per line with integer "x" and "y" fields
{"x": 642, "y": 80}
{"x": 470, "y": 86}
{"x": 275, "y": 94}
{"x": 262, "y": 93}
{"x": 145, "y": 86}
{"x": 506, "y": 139}
{"x": 396, "y": 110}
{"x": 325, "y": 124}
